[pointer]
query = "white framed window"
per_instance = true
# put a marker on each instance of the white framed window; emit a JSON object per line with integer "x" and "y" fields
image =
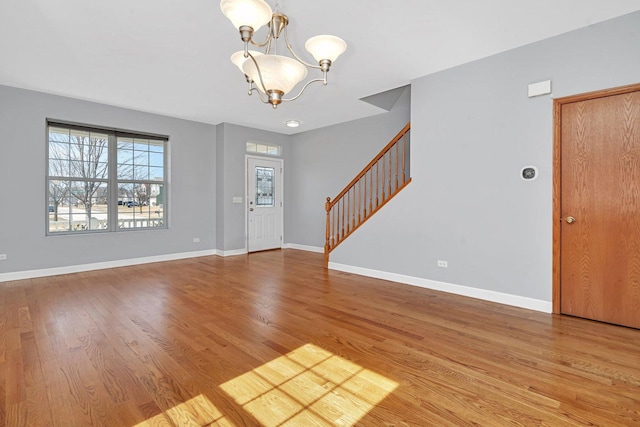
{"x": 262, "y": 148}
{"x": 101, "y": 180}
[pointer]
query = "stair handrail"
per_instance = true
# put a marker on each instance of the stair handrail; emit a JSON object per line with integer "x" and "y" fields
{"x": 335, "y": 232}
{"x": 375, "y": 160}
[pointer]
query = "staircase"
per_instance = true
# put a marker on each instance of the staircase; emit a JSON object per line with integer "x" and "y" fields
{"x": 369, "y": 191}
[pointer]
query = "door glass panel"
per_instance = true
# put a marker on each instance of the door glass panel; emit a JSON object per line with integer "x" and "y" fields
{"x": 265, "y": 186}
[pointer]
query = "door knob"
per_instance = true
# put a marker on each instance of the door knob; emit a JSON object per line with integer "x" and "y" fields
{"x": 570, "y": 220}
{"x": 251, "y": 209}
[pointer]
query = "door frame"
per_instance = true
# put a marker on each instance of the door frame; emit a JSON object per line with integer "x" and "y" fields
{"x": 246, "y": 195}
{"x": 557, "y": 169}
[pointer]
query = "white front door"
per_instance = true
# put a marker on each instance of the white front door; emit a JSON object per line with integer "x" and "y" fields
{"x": 264, "y": 204}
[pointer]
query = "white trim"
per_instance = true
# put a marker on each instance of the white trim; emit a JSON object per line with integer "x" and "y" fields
{"x": 303, "y": 248}
{"x": 483, "y": 294}
{"x": 31, "y": 274}
{"x": 231, "y": 253}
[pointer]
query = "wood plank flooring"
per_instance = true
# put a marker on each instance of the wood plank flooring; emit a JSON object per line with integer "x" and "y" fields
{"x": 275, "y": 339}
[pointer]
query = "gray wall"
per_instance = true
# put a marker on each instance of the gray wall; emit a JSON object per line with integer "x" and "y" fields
{"x": 219, "y": 194}
{"x": 324, "y": 160}
{"x": 473, "y": 129}
{"x": 192, "y": 207}
{"x": 230, "y": 170}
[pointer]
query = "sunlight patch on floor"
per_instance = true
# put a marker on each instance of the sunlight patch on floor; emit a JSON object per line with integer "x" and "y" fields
{"x": 309, "y": 386}
{"x": 198, "y": 411}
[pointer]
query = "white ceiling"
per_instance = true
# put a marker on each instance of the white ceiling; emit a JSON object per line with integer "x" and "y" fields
{"x": 172, "y": 56}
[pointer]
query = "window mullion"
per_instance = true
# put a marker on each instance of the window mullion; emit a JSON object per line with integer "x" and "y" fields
{"x": 113, "y": 182}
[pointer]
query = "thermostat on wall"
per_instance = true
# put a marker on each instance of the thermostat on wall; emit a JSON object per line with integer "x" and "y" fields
{"x": 529, "y": 173}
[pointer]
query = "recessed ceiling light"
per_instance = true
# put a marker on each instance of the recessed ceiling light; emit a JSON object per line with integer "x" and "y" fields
{"x": 292, "y": 123}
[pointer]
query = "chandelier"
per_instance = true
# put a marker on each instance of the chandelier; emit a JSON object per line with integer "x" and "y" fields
{"x": 268, "y": 73}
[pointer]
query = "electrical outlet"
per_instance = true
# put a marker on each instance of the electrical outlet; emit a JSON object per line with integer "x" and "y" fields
{"x": 3, "y": 257}
{"x": 196, "y": 240}
{"x": 442, "y": 264}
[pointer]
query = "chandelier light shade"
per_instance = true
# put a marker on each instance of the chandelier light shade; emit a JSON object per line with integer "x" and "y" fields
{"x": 268, "y": 73}
{"x": 249, "y": 13}
{"x": 238, "y": 58}
{"x": 325, "y": 47}
{"x": 279, "y": 73}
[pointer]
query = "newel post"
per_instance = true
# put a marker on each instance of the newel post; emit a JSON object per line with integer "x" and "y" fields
{"x": 327, "y": 208}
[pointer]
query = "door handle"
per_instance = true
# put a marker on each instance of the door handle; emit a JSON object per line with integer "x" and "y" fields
{"x": 570, "y": 220}
{"x": 250, "y": 209}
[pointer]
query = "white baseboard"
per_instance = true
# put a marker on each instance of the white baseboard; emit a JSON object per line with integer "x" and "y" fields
{"x": 483, "y": 294}
{"x": 303, "y": 248}
{"x": 31, "y": 274}
{"x": 231, "y": 253}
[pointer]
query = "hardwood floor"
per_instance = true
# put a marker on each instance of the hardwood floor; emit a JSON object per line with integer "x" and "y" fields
{"x": 275, "y": 339}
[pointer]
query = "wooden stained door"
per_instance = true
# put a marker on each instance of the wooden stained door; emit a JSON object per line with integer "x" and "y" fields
{"x": 600, "y": 206}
